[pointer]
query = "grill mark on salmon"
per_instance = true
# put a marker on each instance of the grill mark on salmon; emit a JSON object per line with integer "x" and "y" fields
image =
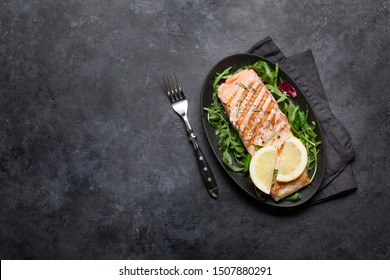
{"x": 247, "y": 99}
{"x": 254, "y": 116}
{"x": 260, "y": 125}
{"x": 258, "y": 112}
{"x": 258, "y": 135}
{"x": 283, "y": 129}
{"x": 251, "y": 97}
{"x": 233, "y": 94}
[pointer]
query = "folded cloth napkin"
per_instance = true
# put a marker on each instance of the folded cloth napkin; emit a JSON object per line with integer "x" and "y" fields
{"x": 339, "y": 178}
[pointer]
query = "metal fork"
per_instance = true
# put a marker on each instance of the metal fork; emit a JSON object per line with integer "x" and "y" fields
{"x": 180, "y": 105}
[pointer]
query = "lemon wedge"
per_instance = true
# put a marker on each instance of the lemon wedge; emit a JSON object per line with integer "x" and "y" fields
{"x": 261, "y": 168}
{"x": 292, "y": 161}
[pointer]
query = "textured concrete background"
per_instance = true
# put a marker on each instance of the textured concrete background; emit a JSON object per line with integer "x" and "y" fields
{"x": 94, "y": 164}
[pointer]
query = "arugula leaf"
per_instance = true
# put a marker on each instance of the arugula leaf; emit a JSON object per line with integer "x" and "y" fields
{"x": 228, "y": 161}
{"x": 259, "y": 194}
{"x": 219, "y": 77}
{"x": 300, "y": 119}
{"x": 247, "y": 162}
{"x": 293, "y": 197}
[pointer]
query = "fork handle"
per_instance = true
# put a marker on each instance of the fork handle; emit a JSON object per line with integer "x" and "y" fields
{"x": 205, "y": 171}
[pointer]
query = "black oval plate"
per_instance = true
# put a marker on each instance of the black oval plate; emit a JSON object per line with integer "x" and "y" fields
{"x": 243, "y": 180}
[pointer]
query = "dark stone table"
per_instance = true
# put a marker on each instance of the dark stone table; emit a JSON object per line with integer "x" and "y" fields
{"x": 94, "y": 164}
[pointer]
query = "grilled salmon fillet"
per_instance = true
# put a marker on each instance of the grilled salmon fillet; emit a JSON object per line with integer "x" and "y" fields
{"x": 256, "y": 117}
{"x": 253, "y": 111}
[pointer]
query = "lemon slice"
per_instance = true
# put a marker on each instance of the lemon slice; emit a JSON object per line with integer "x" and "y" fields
{"x": 292, "y": 161}
{"x": 261, "y": 168}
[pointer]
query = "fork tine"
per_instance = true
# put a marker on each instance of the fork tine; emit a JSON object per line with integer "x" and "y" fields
{"x": 174, "y": 88}
{"x": 179, "y": 90}
{"x": 169, "y": 89}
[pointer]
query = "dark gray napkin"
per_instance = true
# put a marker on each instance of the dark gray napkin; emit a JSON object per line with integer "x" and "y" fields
{"x": 339, "y": 178}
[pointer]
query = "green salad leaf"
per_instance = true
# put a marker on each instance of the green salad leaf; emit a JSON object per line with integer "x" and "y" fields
{"x": 294, "y": 197}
